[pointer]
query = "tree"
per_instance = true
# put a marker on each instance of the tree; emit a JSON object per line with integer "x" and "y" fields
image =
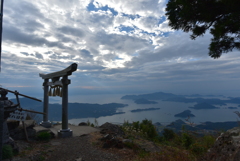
{"x": 221, "y": 17}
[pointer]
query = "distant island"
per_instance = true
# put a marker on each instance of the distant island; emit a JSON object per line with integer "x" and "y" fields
{"x": 75, "y": 110}
{"x": 185, "y": 114}
{"x": 144, "y": 101}
{"x": 204, "y": 105}
{"x": 199, "y": 95}
{"x": 231, "y": 108}
{"x": 212, "y": 127}
{"x": 146, "y": 109}
{"x": 183, "y": 98}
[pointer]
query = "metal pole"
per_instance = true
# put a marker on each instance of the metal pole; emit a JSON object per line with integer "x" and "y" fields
{"x": 1, "y": 128}
{"x": 16, "y": 93}
{"x": 1, "y": 17}
{"x": 20, "y": 109}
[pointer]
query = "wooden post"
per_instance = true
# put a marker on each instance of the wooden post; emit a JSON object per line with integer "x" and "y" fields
{"x": 65, "y": 131}
{"x": 1, "y": 128}
{"x": 25, "y": 131}
{"x": 45, "y": 123}
{"x": 24, "y": 127}
{"x": 65, "y": 102}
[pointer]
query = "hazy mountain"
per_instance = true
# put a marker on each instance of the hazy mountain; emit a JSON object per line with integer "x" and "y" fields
{"x": 203, "y": 105}
{"x": 75, "y": 110}
{"x": 180, "y": 98}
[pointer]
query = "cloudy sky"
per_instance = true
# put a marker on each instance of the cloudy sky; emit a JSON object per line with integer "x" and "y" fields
{"x": 120, "y": 47}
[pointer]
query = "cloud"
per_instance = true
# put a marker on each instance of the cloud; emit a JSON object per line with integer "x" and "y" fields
{"x": 123, "y": 45}
{"x": 136, "y": 7}
{"x": 71, "y": 31}
{"x": 39, "y": 56}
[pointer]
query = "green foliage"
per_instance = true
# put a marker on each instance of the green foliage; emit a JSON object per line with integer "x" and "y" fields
{"x": 43, "y": 136}
{"x": 168, "y": 134}
{"x": 96, "y": 122}
{"x": 148, "y": 129}
{"x": 7, "y": 152}
{"x": 130, "y": 145}
{"x": 187, "y": 140}
{"x": 202, "y": 145}
{"x": 198, "y": 16}
{"x": 88, "y": 123}
{"x": 145, "y": 129}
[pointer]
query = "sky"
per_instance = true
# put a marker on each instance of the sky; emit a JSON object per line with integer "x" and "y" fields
{"x": 123, "y": 47}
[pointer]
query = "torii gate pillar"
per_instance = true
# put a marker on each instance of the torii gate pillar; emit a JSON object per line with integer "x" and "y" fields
{"x": 65, "y": 131}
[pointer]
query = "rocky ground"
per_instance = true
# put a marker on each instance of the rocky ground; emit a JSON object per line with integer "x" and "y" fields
{"x": 110, "y": 144}
{"x": 82, "y": 148}
{"x": 91, "y": 147}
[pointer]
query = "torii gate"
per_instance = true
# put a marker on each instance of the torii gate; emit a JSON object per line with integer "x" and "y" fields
{"x": 63, "y": 83}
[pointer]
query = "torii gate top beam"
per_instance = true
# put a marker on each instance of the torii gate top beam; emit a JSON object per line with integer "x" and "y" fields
{"x": 64, "y": 72}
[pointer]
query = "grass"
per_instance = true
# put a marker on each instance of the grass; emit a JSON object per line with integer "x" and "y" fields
{"x": 7, "y": 152}
{"x": 184, "y": 146}
{"x": 43, "y": 136}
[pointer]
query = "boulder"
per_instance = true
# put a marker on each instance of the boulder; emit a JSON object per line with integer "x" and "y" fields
{"x": 17, "y": 132}
{"x": 12, "y": 124}
{"x": 226, "y": 147}
{"x": 109, "y": 128}
{"x": 82, "y": 124}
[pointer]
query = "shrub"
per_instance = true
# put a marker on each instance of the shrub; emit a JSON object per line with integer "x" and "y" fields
{"x": 44, "y": 136}
{"x": 148, "y": 129}
{"x": 187, "y": 140}
{"x": 168, "y": 134}
{"x": 7, "y": 152}
{"x": 198, "y": 148}
{"x": 145, "y": 129}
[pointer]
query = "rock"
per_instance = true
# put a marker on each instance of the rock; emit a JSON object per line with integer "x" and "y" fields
{"x": 127, "y": 141}
{"x": 226, "y": 147}
{"x": 19, "y": 134}
{"x": 28, "y": 124}
{"x": 149, "y": 146}
{"x": 12, "y": 124}
{"x": 106, "y": 145}
{"x": 106, "y": 137}
{"x": 119, "y": 145}
{"x": 82, "y": 124}
{"x": 112, "y": 129}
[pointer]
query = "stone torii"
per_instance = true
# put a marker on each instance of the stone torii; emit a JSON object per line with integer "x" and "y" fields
{"x": 63, "y": 83}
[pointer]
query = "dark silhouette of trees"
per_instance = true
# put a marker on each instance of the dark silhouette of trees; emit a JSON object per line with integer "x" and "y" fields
{"x": 221, "y": 17}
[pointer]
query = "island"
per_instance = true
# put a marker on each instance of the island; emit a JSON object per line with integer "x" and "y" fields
{"x": 185, "y": 114}
{"x": 231, "y": 108}
{"x": 203, "y": 105}
{"x": 144, "y": 101}
{"x": 146, "y": 109}
{"x": 181, "y": 98}
{"x": 200, "y": 129}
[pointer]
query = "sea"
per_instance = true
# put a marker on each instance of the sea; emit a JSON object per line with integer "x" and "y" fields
{"x": 165, "y": 115}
